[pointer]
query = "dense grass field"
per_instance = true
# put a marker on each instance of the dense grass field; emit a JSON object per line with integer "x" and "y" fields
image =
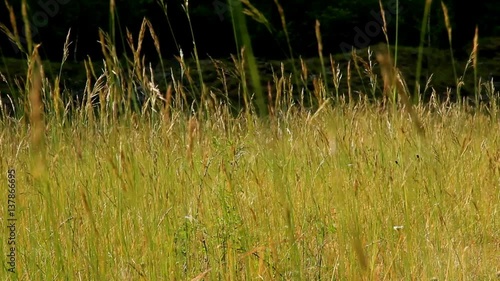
{"x": 350, "y": 192}
{"x": 304, "y": 180}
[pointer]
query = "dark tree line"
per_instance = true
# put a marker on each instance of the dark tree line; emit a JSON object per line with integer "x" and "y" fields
{"x": 344, "y": 23}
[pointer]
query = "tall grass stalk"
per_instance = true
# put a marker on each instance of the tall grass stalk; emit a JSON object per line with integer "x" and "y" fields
{"x": 394, "y": 95}
{"x": 475, "y": 47}
{"x": 452, "y": 56}
{"x": 289, "y": 43}
{"x": 243, "y": 38}
{"x": 203, "y": 96}
{"x": 27, "y": 27}
{"x": 322, "y": 60}
{"x": 112, "y": 21}
{"x": 164, "y": 7}
{"x": 423, "y": 30}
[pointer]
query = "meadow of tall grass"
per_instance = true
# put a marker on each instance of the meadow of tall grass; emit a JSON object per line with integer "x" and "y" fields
{"x": 294, "y": 184}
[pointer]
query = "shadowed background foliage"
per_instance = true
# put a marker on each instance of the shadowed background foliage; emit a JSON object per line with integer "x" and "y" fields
{"x": 340, "y": 24}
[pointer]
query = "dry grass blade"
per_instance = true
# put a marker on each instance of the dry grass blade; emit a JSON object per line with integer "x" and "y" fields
{"x": 27, "y": 25}
{"x": 254, "y": 13}
{"x": 168, "y": 101}
{"x": 14, "y": 34}
{"x": 474, "y": 62}
{"x": 140, "y": 39}
{"x": 66, "y": 45}
{"x": 130, "y": 40}
{"x": 475, "y": 47}
{"x": 88, "y": 91}
{"x": 450, "y": 40}
{"x": 103, "y": 42}
{"x": 271, "y": 107}
{"x": 202, "y": 275}
{"x": 156, "y": 40}
{"x": 138, "y": 68}
{"x": 87, "y": 208}
{"x": 337, "y": 76}
{"x": 12, "y": 18}
{"x": 447, "y": 20}
{"x": 384, "y": 26}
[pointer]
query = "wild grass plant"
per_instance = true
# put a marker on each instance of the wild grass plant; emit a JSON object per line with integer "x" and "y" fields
{"x": 349, "y": 189}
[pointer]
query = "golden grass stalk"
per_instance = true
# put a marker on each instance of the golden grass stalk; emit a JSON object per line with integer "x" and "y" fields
{"x": 270, "y": 104}
{"x": 280, "y": 89}
{"x": 35, "y": 71}
{"x": 167, "y": 107}
{"x": 56, "y": 95}
{"x": 138, "y": 65}
{"x": 66, "y": 45}
{"x": 88, "y": 91}
{"x": 255, "y": 14}
{"x": 470, "y": 62}
{"x": 136, "y": 51}
{"x": 27, "y": 26}
{"x": 475, "y": 46}
{"x": 156, "y": 42}
{"x": 337, "y": 76}
{"x": 14, "y": 34}
{"x": 142, "y": 31}
{"x": 449, "y": 31}
{"x": 304, "y": 71}
{"x": 56, "y": 98}
{"x": 12, "y": 18}
{"x": 193, "y": 128}
{"x": 384, "y": 26}
{"x": 319, "y": 90}
{"x": 356, "y": 60}
{"x": 104, "y": 49}
{"x": 114, "y": 95}
{"x": 304, "y": 76}
{"x": 321, "y": 59}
